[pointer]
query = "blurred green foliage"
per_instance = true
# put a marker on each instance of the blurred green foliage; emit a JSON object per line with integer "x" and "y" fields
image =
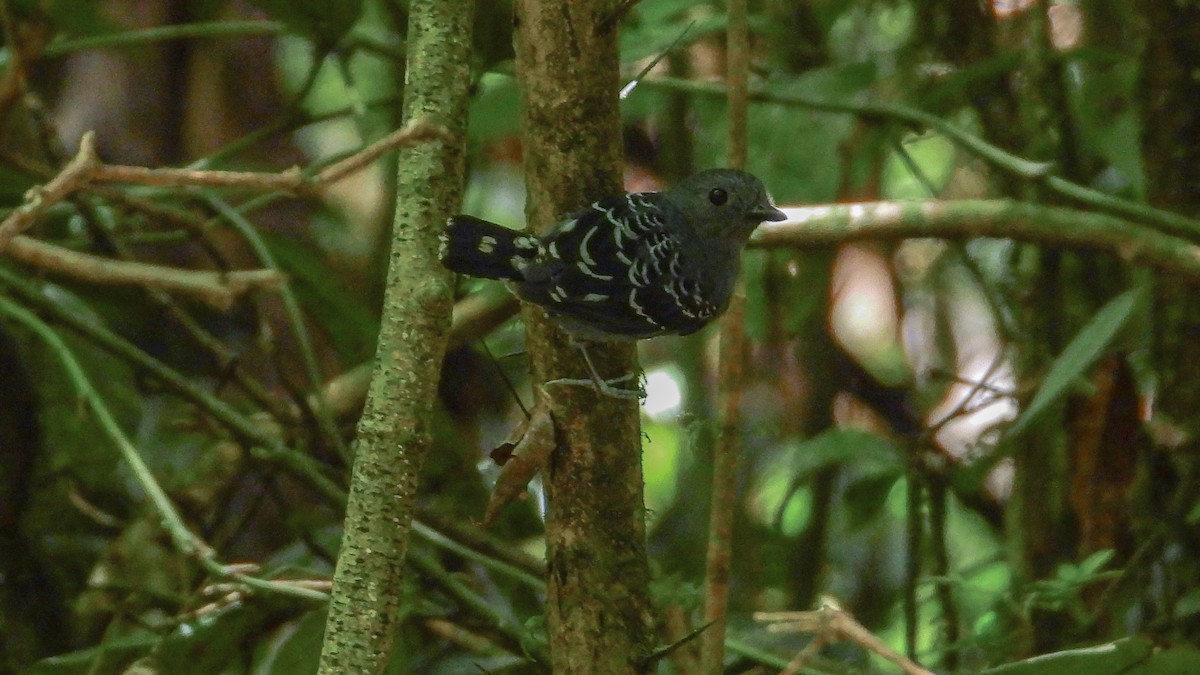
{"x": 839, "y": 497}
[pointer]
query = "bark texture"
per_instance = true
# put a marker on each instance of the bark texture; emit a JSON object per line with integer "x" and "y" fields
{"x": 394, "y": 433}
{"x": 597, "y": 611}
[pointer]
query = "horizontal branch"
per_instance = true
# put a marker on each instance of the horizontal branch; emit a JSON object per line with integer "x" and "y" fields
{"x": 291, "y": 180}
{"x": 1002, "y": 219}
{"x": 218, "y": 289}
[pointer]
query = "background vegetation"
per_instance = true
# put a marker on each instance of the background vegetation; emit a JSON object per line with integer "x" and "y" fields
{"x": 983, "y": 448}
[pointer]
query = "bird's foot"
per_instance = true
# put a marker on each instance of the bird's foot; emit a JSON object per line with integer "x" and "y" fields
{"x": 606, "y": 387}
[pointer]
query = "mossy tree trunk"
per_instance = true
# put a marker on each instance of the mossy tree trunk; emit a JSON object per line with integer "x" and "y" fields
{"x": 598, "y": 615}
{"x": 394, "y": 432}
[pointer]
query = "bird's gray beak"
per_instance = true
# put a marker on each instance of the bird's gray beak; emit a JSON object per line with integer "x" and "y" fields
{"x": 768, "y": 213}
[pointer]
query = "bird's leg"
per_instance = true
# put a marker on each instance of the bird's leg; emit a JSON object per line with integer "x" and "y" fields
{"x": 602, "y": 385}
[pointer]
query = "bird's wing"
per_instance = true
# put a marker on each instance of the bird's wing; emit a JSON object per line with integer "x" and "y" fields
{"x": 616, "y": 266}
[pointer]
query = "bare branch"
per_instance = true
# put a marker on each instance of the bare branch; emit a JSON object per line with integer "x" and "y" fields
{"x": 77, "y": 173}
{"x": 420, "y": 129}
{"x": 1132, "y": 241}
{"x": 828, "y": 624}
{"x": 218, "y": 289}
{"x": 289, "y": 180}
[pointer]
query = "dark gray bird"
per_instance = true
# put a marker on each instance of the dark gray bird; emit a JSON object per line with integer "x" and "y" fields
{"x": 628, "y": 267}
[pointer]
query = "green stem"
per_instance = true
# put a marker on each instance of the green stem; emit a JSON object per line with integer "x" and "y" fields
{"x": 264, "y": 445}
{"x": 295, "y": 315}
{"x": 129, "y": 38}
{"x": 496, "y": 624}
{"x": 752, "y": 653}
{"x": 492, "y": 563}
{"x": 395, "y": 430}
{"x": 894, "y": 111}
{"x": 1166, "y": 221}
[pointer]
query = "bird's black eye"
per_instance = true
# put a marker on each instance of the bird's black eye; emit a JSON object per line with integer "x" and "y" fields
{"x": 718, "y": 197}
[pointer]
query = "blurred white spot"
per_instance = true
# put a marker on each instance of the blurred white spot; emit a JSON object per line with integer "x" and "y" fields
{"x": 663, "y": 394}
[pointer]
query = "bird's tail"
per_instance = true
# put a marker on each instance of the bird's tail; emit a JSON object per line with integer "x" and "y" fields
{"x": 484, "y": 249}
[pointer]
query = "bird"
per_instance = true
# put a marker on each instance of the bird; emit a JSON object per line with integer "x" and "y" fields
{"x": 627, "y": 267}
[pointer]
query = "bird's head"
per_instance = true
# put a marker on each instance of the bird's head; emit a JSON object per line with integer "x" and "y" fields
{"x": 724, "y": 202}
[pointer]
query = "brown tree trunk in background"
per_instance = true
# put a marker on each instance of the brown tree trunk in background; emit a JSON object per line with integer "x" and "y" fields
{"x": 1170, "y": 98}
{"x": 598, "y": 612}
{"x": 1036, "y": 518}
{"x": 171, "y": 102}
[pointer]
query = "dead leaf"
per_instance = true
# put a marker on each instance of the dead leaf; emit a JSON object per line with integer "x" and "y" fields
{"x": 522, "y": 455}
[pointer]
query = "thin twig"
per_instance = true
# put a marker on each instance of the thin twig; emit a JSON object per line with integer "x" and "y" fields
{"x": 495, "y": 625}
{"x": 78, "y": 172}
{"x": 938, "y": 527}
{"x": 966, "y": 404}
{"x": 914, "y": 532}
{"x": 418, "y": 130}
{"x": 132, "y": 38}
{"x": 489, "y": 559}
{"x": 474, "y": 317}
{"x": 296, "y": 322}
{"x": 289, "y": 180}
{"x": 828, "y": 624}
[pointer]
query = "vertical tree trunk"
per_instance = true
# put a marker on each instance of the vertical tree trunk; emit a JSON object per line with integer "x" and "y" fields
{"x": 394, "y": 432}
{"x": 1171, "y": 145}
{"x": 731, "y": 375}
{"x": 597, "y": 607}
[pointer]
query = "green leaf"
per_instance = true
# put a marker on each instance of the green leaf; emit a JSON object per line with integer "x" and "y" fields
{"x": 1193, "y": 516}
{"x": 933, "y": 156}
{"x": 1187, "y": 606}
{"x": 533, "y": 635}
{"x": 1129, "y": 656}
{"x": 760, "y": 311}
{"x": 1080, "y": 354}
{"x": 654, "y": 28}
{"x": 297, "y": 650}
{"x": 211, "y": 642}
{"x": 120, "y": 650}
{"x": 347, "y": 317}
{"x": 73, "y": 18}
{"x": 660, "y": 457}
{"x": 495, "y": 109}
{"x": 844, "y": 446}
{"x": 1095, "y": 562}
{"x": 866, "y": 498}
{"x": 798, "y": 153}
{"x": 876, "y": 468}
